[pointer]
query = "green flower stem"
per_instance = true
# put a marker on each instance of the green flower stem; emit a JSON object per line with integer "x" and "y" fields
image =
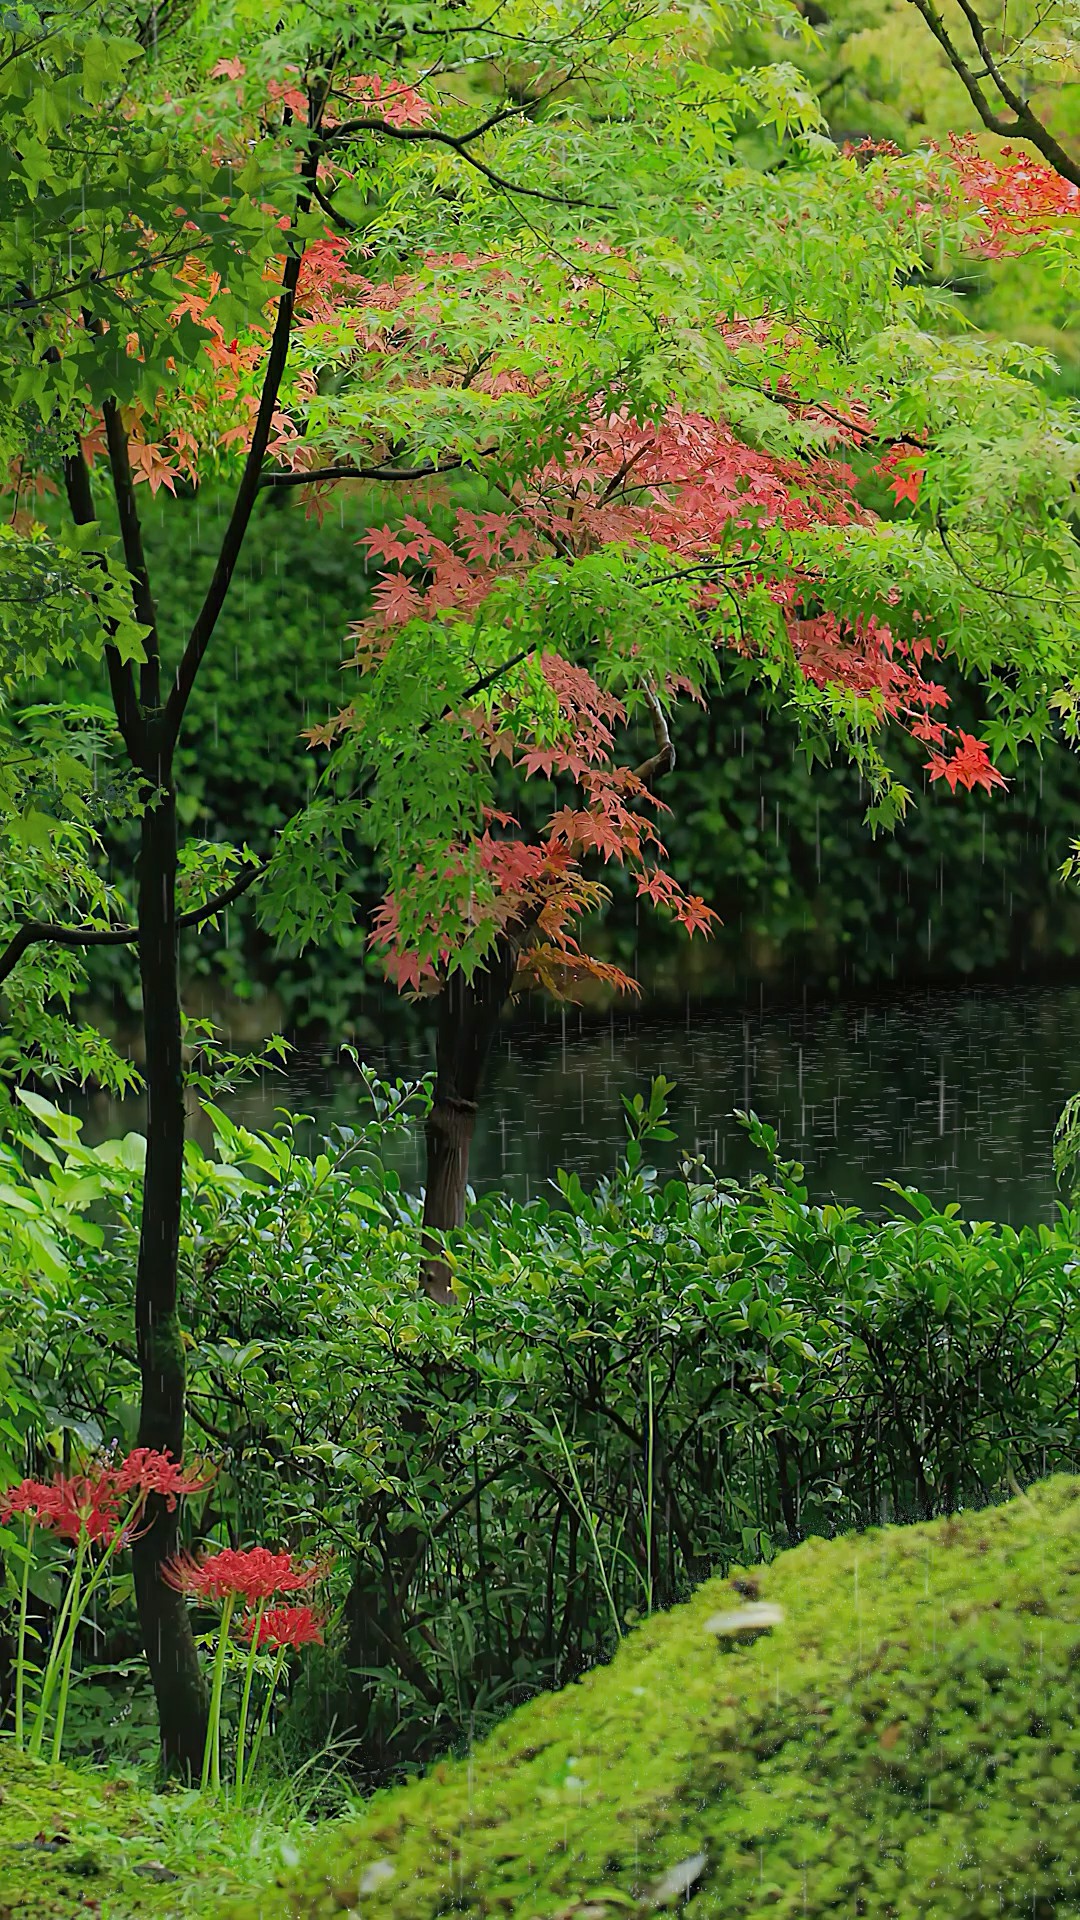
{"x": 72, "y": 1628}
{"x": 56, "y": 1650}
{"x": 211, "y": 1772}
{"x": 264, "y": 1717}
{"x": 649, "y": 1470}
{"x": 20, "y": 1643}
{"x": 72, "y": 1612}
{"x": 245, "y": 1701}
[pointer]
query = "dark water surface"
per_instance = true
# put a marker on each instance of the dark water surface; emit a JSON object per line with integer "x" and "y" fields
{"x": 956, "y": 1093}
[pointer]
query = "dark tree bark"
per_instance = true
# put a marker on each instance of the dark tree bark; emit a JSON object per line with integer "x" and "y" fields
{"x": 149, "y": 721}
{"x": 1025, "y": 124}
{"x": 467, "y": 1015}
{"x": 163, "y": 1614}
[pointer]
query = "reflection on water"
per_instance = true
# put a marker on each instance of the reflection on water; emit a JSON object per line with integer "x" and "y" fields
{"x": 954, "y": 1093}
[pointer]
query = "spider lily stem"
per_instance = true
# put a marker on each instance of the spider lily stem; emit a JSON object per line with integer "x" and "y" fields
{"x": 241, "y": 1732}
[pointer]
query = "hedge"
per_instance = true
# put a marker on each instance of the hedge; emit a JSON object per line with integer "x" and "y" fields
{"x": 636, "y": 1389}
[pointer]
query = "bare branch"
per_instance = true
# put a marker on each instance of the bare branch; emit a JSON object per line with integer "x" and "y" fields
{"x": 247, "y": 491}
{"x": 1026, "y": 125}
{"x": 459, "y": 144}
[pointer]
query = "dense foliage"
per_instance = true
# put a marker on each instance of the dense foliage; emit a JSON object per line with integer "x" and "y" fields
{"x": 654, "y": 1379}
{"x": 967, "y": 884}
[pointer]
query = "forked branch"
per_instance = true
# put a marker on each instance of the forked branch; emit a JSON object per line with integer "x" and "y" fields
{"x": 1025, "y": 125}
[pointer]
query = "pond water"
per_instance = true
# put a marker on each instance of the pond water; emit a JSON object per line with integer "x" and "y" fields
{"x": 956, "y": 1093}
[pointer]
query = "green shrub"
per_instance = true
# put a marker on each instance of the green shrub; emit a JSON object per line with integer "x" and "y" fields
{"x": 903, "y": 1743}
{"x": 639, "y": 1387}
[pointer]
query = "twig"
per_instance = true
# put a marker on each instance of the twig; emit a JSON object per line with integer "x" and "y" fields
{"x": 35, "y": 932}
{"x": 459, "y": 144}
{"x": 1026, "y": 125}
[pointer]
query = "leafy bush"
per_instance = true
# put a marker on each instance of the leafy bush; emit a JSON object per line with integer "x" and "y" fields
{"x": 641, "y": 1384}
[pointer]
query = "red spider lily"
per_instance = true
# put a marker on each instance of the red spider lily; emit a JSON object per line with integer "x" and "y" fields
{"x": 286, "y": 1627}
{"x": 71, "y": 1505}
{"x": 145, "y": 1471}
{"x": 254, "y": 1574}
{"x": 95, "y": 1502}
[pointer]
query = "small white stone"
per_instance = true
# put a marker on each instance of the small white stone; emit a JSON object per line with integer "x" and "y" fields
{"x": 745, "y": 1620}
{"x": 679, "y": 1880}
{"x": 379, "y": 1872}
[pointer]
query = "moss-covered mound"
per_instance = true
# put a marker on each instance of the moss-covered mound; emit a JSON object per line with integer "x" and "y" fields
{"x": 75, "y": 1844}
{"x": 903, "y": 1743}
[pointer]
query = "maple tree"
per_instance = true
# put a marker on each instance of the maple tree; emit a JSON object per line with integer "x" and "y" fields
{"x": 678, "y": 487}
{"x": 652, "y": 538}
{"x": 164, "y": 181}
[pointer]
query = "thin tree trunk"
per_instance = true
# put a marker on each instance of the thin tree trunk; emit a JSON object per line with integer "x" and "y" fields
{"x": 163, "y": 1615}
{"x": 468, "y": 1015}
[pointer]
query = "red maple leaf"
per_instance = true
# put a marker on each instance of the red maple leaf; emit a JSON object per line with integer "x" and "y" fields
{"x": 969, "y": 766}
{"x": 1017, "y": 200}
{"x": 396, "y": 598}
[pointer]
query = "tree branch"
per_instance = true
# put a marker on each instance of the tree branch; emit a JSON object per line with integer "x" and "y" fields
{"x": 134, "y": 555}
{"x": 247, "y": 491}
{"x": 663, "y": 760}
{"x": 486, "y": 680}
{"x": 459, "y": 144}
{"x": 346, "y": 128}
{"x": 328, "y": 206}
{"x": 121, "y": 678}
{"x": 217, "y": 902}
{"x": 991, "y": 120}
{"x": 991, "y": 70}
{"x": 33, "y": 932}
{"x": 28, "y": 300}
{"x": 315, "y": 474}
{"x": 49, "y": 933}
{"x": 1026, "y": 125}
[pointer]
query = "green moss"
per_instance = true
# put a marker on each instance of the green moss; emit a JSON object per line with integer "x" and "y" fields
{"x": 75, "y": 1844}
{"x": 904, "y": 1743}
